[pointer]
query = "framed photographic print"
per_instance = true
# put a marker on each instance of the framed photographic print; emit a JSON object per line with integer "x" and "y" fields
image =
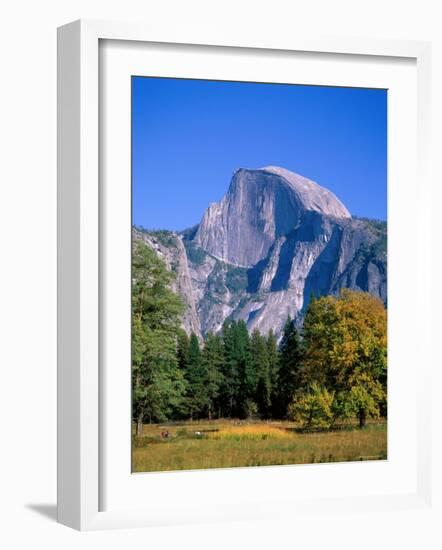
{"x": 259, "y": 322}
{"x": 233, "y": 232}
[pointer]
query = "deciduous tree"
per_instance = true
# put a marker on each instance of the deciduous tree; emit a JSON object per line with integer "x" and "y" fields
{"x": 158, "y": 384}
{"x": 346, "y": 352}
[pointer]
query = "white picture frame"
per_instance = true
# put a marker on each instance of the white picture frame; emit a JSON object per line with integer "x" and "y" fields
{"x": 79, "y": 275}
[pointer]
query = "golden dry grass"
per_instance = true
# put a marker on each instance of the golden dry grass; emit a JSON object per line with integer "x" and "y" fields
{"x": 247, "y": 432}
{"x": 233, "y": 444}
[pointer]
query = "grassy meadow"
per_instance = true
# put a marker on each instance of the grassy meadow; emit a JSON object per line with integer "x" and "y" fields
{"x": 316, "y": 393}
{"x": 229, "y": 444}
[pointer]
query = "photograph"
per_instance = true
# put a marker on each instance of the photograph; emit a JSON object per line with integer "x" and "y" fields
{"x": 258, "y": 274}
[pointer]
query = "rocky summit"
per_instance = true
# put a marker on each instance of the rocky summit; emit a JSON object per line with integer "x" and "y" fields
{"x": 259, "y": 254}
{"x": 260, "y": 207}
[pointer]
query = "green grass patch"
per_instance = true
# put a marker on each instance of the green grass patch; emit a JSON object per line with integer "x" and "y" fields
{"x": 230, "y": 444}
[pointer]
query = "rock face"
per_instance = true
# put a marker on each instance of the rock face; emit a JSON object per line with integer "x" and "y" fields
{"x": 170, "y": 249}
{"x": 260, "y": 207}
{"x": 273, "y": 240}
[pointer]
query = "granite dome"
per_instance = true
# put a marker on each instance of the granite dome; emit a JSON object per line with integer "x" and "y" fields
{"x": 274, "y": 239}
{"x": 312, "y": 195}
{"x": 259, "y": 207}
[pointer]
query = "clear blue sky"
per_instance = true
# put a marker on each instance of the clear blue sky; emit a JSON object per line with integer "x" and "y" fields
{"x": 188, "y": 136}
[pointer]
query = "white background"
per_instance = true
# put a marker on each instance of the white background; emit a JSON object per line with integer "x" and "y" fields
{"x": 28, "y": 274}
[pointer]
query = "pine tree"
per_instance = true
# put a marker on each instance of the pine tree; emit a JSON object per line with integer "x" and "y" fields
{"x": 196, "y": 393}
{"x": 291, "y": 355}
{"x": 182, "y": 350}
{"x": 247, "y": 379}
{"x": 212, "y": 361}
{"x": 229, "y": 385}
{"x": 261, "y": 367}
{"x": 273, "y": 358}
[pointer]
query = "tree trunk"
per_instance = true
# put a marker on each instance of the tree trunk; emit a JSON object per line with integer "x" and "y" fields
{"x": 140, "y": 424}
{"x": 362, "y": 418}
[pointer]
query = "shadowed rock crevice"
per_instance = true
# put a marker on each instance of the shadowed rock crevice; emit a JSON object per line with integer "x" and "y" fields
{"x": 320, "y": 277}
{"x": 254, "y": 275}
